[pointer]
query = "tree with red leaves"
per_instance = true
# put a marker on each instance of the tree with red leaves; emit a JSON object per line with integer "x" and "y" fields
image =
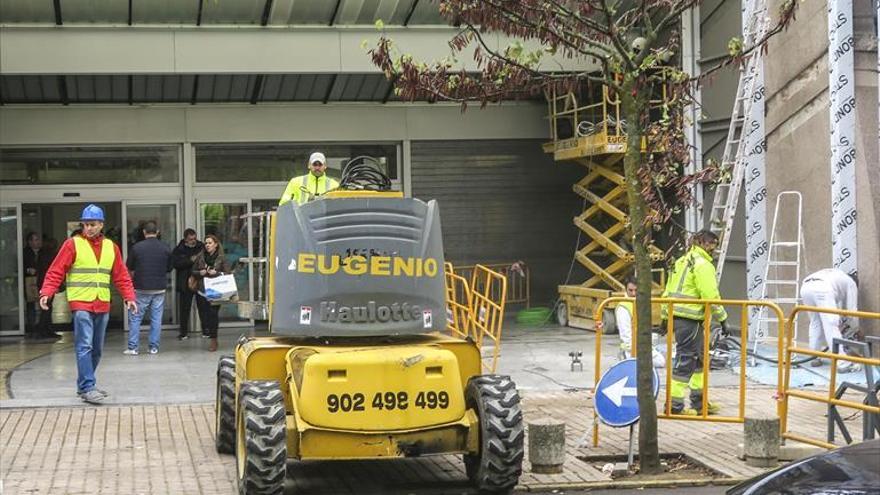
{"x": 629, "y": 46}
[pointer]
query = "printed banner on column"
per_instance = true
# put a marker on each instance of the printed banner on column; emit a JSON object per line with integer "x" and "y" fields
{"x": 756, "y": 181}
{"x": 841, "y": 85}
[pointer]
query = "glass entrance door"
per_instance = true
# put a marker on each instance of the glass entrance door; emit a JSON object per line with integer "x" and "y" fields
{"x": 11, "y": 282}
{"x": 224, "y": 220}
{"x": 56, "y": 222}
{"x": 165, "y": 217}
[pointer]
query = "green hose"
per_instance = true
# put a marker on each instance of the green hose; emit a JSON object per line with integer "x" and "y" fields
{"x": 533, "y": 316}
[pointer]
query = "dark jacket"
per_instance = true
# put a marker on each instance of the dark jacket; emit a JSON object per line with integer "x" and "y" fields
{"x": 150, "y": 260}
{"x": 183, "y": 257}
{"x": 38, "y": 261}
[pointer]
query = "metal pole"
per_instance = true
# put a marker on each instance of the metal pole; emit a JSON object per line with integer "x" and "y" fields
{"x": 629, "y": 459}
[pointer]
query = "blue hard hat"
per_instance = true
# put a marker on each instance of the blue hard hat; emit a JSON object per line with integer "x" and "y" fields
{"x": 92, "y": 212}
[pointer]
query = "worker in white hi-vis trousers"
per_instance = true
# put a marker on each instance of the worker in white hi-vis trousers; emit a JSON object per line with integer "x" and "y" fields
{"x": 835, "y": 289}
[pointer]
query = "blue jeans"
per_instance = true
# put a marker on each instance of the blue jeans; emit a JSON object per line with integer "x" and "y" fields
{"x": 155, "y": 303}
{"x": 88, "y": 341}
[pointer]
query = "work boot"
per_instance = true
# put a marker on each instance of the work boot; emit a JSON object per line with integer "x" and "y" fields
{"x": 815, "y": 363}
{"x": 93, "y": 397}
{"x": 212, "y": 345}
{"x": 697, "y": 410}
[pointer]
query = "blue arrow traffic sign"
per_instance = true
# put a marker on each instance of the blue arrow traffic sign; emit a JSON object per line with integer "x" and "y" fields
{"x": 615, "y": 400}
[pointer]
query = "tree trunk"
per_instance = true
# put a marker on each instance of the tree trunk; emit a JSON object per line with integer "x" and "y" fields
{"x": 635, "y": 106}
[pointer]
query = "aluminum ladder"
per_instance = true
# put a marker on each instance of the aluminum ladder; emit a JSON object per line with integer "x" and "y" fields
{"x": 733, "y": 163}
{"x": 782, "y": 274}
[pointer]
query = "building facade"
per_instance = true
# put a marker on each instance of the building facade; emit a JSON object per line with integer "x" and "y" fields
{"x": 195, "y": 113}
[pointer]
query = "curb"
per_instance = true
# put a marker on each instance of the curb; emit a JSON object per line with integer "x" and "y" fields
{"x": 611, "y": 484}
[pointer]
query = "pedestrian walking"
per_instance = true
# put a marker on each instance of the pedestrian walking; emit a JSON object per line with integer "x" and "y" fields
{"x": 693, "y": 277}
{"x": 833, "y": 289}
{"x": 87, "y": 263}
{"x": 208, "y": 264}
{"x": 149, "y": 261}
{"x": 183, "y": 256}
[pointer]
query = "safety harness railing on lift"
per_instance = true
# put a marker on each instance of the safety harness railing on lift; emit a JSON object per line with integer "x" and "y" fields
{"x": 703, "y": 415}
{"x": 785, "y": 356}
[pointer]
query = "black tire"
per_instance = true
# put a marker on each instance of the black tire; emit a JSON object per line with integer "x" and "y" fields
{"x": 498, "y": 465}
{"x": 562, "y": 314}
{"x": 261, "y": 446}
{"x": 224, "y": 406}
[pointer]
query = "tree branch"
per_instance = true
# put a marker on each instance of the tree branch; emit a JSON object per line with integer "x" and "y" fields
{"x": 616, "y": 39}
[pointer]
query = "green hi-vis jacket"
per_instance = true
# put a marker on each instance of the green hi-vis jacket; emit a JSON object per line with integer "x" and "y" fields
{"x": 307, "y": 187}
{"x": 88, "y": 278}
{"x": 693, "y": 277}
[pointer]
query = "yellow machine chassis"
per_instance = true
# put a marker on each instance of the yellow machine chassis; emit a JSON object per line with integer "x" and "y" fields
{"x": 267, "y": 358}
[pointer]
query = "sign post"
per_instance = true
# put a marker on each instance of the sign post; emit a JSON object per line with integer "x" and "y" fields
{"x": 616, "y": 402}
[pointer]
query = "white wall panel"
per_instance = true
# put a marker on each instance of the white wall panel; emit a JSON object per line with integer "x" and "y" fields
{"x": 185, "y": 50}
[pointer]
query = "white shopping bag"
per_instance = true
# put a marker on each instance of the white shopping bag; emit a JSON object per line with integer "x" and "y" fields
{"x": 220, "y": 288}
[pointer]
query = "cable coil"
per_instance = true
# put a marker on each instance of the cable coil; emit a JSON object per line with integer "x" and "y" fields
{"x": 364, "y": 173}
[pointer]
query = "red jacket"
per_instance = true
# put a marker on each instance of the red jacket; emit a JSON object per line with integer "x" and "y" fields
{"x": 64, "y": 260}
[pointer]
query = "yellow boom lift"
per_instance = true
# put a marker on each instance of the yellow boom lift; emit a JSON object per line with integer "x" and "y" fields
{"x": 374, "y": 350}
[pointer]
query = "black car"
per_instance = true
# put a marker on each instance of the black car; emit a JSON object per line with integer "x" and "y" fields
{"x": 850, "y": 470}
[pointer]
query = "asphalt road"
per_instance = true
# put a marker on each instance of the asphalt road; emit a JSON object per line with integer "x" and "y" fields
{"x": 696, "y": 490}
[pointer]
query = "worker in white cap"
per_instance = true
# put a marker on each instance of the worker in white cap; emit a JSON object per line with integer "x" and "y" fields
{"x": 833, "y": 289}
{"x": 307, "y": 187}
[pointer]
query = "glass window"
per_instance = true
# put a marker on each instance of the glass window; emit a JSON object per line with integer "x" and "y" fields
{"x": 278, "y": 163}
{"x": 75, "y": 165}
{"x": 9, "y": 253}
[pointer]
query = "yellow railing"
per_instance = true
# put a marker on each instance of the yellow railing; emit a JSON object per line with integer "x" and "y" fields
{"x": 518, "y": 279}
{"x": 458, "y": 301}
{"x": 602, "y": 116}
{"x": 785, "y": 356}
{"x": 707, "y": 303}
{"x": 487, "y": 312}
{"x": 475, "y": 309}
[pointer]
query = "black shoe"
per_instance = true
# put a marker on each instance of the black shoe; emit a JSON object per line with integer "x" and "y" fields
{"x": 182, "y": 337}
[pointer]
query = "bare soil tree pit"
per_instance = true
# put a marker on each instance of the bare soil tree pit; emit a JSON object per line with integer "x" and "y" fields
{"x": 676, "y": 466}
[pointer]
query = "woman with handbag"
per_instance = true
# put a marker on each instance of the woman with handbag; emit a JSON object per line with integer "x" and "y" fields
{"x": 209, "y": 263}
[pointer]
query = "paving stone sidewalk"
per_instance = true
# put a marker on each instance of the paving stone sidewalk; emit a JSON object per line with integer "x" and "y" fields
{"x": 169, "y": 449}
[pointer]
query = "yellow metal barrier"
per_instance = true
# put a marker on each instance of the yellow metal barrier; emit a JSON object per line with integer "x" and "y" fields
{"x": 458, "y": 301}
{"x": 785, "y": 356}
{"x": 476, "y": 309}
{"x": 518, "y": 279}
{"x": 670, "y": 336}
{"x": 487, "y": 313}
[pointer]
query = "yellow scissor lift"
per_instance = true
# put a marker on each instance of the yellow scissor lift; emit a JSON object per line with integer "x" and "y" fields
{"x": 592, "y": 134}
